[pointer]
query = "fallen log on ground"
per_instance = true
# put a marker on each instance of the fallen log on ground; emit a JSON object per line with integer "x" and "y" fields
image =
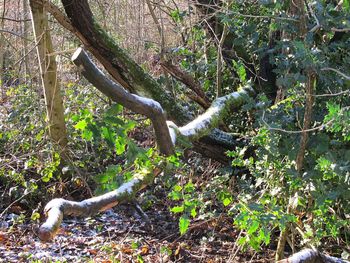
{"x": 59, "y": 207}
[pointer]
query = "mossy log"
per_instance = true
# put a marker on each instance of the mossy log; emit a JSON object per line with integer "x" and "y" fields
{"x": 211, "y": 118}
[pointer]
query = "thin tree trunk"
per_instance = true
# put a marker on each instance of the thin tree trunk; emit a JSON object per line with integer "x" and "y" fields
{"x": 298, "y": 8}
{"x": 25, "y": 41}
{"x": 219, "y": 62}
{"x": 2, "y": 51}
{"x": 48, "y": 71}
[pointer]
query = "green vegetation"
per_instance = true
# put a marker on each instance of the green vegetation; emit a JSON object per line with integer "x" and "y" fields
{"x": 291, "y": 173}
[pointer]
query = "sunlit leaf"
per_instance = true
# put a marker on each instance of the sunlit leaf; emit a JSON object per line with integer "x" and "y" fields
{"x": 184, "y": 223}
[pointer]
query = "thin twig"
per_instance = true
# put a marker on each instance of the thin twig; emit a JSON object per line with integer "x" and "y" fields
{"x": 340, "y": 29}
{"x": 336, "y": 71}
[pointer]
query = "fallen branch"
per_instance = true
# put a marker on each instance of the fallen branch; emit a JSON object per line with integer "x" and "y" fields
{"x": 207, "y": 145}
{"x": 206, "y": 122}
{"x": 166, "y": 133}
{"x": 57, "y": 208}
{"x": 311, "y": 256}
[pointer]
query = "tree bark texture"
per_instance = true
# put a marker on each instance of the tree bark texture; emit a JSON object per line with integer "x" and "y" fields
{"x": 48, "y": 71}
{"x": 57, "y": 208}
{"x": 189, "y": 81}
{"x": 2, "y": 51}
{"x": 126, "y": 71}
{"x": 212, "y": 117}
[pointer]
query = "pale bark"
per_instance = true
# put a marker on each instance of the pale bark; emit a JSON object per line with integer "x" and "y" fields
{"x": 57, "y": 208}
{"x": 48, "y": 71}
{"x": 311, "y": 256}
{"x": 219, "y": 63}
{"x": 145, "y": 106}
{"x": 25, "y": 41}
{"x": 211, "y": 118}
{"x": 2, "y": 51}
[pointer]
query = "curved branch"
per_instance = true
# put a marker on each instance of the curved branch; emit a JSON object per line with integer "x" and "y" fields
{"x": 138, "y": 104}
{"x": 57, "y": 208}
{"x": 211, "y": 118}
{"x": 207, "y": 145}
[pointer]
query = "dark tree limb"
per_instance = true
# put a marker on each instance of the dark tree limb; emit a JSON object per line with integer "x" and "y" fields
{"x": 188, "y": 80}
{"x": 116, "y": 61}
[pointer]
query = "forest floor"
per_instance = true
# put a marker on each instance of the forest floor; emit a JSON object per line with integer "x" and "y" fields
{"x": 121, "y": 235}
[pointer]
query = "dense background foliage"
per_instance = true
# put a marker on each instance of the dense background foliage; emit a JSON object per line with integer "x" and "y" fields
{"x": 261, "y": 189}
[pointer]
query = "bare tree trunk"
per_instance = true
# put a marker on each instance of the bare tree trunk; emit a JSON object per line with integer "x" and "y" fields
{"x": 298, "y": 8}
{"x": 2, "y": 51}
{"x": 219, "y": 63}
{"x": 48, "y": 71}
{"x": 25, "y": 41}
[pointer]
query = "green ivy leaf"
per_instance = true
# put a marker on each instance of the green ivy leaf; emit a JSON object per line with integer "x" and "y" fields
{"x": 253, "y": 227}
{"x": 114, "y": 110}
{"x": 177, "y": 209}
{"x": 35, "y": 216}
{"x": 193, "y": 212}
{"x": 227, "y": 201}
{"x": 184, "y": 223}
{"x": 120, "y": 145}
{"x": 108, "y": 135}
{"x": 81, "y": 125}
{"x": 87, "y": 135}
{"x": 189, "y": 187}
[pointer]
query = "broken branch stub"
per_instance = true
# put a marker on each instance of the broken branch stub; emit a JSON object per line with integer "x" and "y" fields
{"x": 148, "y": 107}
